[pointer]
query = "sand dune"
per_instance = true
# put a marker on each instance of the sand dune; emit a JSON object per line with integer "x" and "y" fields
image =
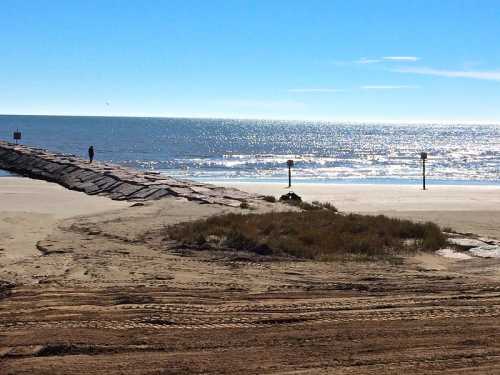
{"x": 473, "y": 209}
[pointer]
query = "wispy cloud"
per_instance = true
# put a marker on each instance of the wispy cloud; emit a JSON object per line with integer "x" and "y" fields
{"x": 388, "y": 87}
{"x": 316, "y": 90}
{"x": 365, "y": 87}
{"x": 493, "y": 75}
{"x": 401, "y": 58}
{"x": 365, "y": 60}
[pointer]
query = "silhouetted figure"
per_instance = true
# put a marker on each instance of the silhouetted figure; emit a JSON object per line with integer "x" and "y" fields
{"x": 91, "y": 154}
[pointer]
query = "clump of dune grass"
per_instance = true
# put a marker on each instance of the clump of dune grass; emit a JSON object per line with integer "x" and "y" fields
{"x": 319, "y": 233}
{"x": 269, "y": 198}
{"x": 314, "y": 205}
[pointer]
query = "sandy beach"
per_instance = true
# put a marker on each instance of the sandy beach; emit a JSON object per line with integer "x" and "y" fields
{"x": 145, "y": 147}
{"x": 36, "y": 212}
{"x": 90, "y": 285}
{"x": 26, "y": 195}
{"x": 471, "y": 208}
{"x": 31, "y": 209}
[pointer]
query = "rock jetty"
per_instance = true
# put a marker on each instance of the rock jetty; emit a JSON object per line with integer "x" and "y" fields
{"x": 110, "y": 180}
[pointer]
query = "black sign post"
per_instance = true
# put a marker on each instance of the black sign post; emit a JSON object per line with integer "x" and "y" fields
{"x": 290, "y": 165}
{"x": 17, "y": 136}
{"x": 423, "y": 156}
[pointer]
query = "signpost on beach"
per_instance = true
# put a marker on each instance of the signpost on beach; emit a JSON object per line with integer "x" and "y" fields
{"x": 290, "y": 165}
{"x": 17, "y": 136}
{"x": 423, "y": 156}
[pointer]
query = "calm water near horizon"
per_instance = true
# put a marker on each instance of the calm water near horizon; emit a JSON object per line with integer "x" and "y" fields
{"x": 257, "y": 150}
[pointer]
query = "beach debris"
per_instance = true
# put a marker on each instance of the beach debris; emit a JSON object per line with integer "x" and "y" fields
{"x": 46, "y": 248}
{"x": 290, "y": 196}
{"x": 245, "y": 206}
{"x": 486, "y": 251}
{"x": 5, "y": 288}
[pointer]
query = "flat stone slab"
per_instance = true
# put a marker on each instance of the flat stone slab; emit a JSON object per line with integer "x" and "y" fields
{"x": 486, "y": 251}
{"x": 466, "y": 243}
{"x": 111, "y": 180}
{"x": 489, "y": 241}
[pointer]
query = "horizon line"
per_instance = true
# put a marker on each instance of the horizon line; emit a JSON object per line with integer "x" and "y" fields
{"x": 278, "y": 118}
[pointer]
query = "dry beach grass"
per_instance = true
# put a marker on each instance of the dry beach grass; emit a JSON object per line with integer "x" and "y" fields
{"x": 321, "y": 234}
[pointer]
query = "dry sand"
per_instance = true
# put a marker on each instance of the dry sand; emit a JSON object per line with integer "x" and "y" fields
{"x": 31, "y": 209}
{"x": 102, "y": 293}
{"x": 25, "y": 195}
{"x": 474, "y": 209}
{"x": 107, "y": 237}
{"x": 90, "y": 238}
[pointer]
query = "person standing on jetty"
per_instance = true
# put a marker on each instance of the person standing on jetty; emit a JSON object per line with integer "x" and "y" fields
{"x": 91, "y": 154}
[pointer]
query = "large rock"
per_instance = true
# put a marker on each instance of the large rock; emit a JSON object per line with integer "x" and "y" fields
{"x": 486, "y": 251}
{"x": 466, "y": 243}
{"x": 110, "y": 180}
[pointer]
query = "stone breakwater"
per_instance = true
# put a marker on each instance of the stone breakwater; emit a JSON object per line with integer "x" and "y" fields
{"x": 110, "y": 180}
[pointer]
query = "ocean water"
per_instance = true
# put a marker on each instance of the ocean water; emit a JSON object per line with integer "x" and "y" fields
{"x": 257, "y": 150}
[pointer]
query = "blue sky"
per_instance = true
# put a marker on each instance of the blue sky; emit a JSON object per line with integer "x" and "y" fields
{"x": 334, "y": 60}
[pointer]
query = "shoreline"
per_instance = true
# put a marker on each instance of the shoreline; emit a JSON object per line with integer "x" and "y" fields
{"x": 343, "y": 181}
{"x": 304, "y": 181}
{"x": 221, "y": 182}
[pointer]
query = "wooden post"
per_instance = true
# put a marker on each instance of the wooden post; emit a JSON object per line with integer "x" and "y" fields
{"x": 290, "y": 165}
{"x": 423, "y": 156}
